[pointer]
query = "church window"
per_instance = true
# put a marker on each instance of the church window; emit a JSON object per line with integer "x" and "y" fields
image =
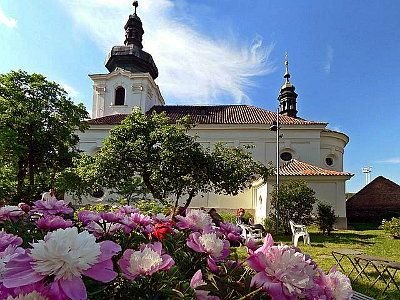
{"x": 119, "y": 96}
{"x": 97, "y": 193}
{"x": 286, "y": 156}
{"x": 329, "y": 161}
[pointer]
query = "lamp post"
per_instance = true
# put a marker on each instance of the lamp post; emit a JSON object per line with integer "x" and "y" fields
{"x": 275, "y": 127}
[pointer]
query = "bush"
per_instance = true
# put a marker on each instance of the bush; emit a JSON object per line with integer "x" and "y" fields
{"x": 326, "y": 217}
{"x": 294, "y": 202}
{"x": 392, "y": 227}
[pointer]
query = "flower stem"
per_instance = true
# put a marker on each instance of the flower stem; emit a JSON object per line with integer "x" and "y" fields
{"x": 248, "y": 296}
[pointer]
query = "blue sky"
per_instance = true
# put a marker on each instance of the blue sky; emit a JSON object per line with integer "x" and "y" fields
{"x": 344, "y": 58}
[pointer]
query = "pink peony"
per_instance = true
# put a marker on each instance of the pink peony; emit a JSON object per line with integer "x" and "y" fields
{"x": 195, "y": 282}
{"x": 103, "y": 228}
{"x": 52, "y": 207}
{"x": 144, "y": 262}
{"x": 231, "y": 232}
{"x": 51, "y": 222}
{"x": 87, "y": 216}
{"x": 111, "y": 217}
{"x": 6, "y": 255}
{"x": 127, "y": 209}
{"x": 195, "y": 219}
{"x": 10, "y": 213}
{"x": 283, "y": 272}
{"x": 66, "y": 255}
{"x": 7, "y": 239}
{"x": 332, "y": 286}
{"x": 209, "y": 243}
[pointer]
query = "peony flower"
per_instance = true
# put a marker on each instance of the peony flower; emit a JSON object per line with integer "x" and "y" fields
{"x": 100, "y": 230}
{"x": 52, "y": 222}
{"x": 144, "y": 262}
{"x": 196, "y": 220}
{"x": 66, "y": 255}
{"x": 137, "y": 221}
{"x": 87, "y": 216}
{"x": 195, "y": 282}
{"x": 161, "y": 218}
{"x": 161, "y": 230}
{"x": 231, "y": 232}
{"x": 10, "y": 213}
{"x": 283, "y": 272}
{"x": 332, "y": 286}
{"x": 7, "y": 239}
{"x": 36, "y": 291}
{"x": 111, "y": 217}
{"x": 127, "y": 209}
{"x": 52, "y": 207}
{"x": 6, "y": 255}
{"x": 210, "y": 243}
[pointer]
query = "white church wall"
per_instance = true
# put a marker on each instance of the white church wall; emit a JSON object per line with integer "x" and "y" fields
{"x": 332, "y": 146}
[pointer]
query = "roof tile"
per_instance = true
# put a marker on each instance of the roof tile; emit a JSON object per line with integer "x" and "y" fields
{"x": 299, "y": 168}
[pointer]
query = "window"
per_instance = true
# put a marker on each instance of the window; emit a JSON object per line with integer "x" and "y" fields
{"x": 329, "y": 161}
{"x": 97, "y": 193}
{"x": 119, "y": 96}
{"x": 286, "y": 156}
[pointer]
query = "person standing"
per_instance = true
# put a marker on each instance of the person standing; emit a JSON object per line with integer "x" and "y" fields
{"x": 51, "y": 194}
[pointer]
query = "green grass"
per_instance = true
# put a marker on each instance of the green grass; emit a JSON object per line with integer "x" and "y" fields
{"x": 363, "y": 238}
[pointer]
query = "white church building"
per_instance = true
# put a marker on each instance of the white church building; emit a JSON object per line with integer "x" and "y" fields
{"x": 307, "y": 149}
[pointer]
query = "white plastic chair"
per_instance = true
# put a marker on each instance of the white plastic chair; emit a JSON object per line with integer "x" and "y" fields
{"x": 250, "y": 233}
{"x": 299, "y": 231}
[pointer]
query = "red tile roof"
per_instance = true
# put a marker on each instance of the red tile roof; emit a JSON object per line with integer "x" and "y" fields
{"x": 215, "y": 114}
{"x": 299, "y": 168}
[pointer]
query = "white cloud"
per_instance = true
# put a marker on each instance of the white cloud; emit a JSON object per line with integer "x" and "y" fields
{"x": 72, "y": 92}
{"x": 394, "y": 160}
{"x": 193, "y": 67}
{"x": 7, "y": 21}
{"x": 329, "y": 59}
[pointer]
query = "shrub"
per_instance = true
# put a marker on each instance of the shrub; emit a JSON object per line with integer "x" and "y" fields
{"x": 392, "y": 227}
{"x": 294, "y": 202}
{"x": 326, "y": 217}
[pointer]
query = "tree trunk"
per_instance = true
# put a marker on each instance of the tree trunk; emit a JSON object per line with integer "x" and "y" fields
{"x": 192, "y": 193}
{"x": 20, "y": 177}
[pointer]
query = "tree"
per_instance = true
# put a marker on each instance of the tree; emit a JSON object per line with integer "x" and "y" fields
{"x": 37, "y": 125}
{"x": 161, "y": 158}
{"x": 295, "y": 202}
{"x": 326, "y": 217}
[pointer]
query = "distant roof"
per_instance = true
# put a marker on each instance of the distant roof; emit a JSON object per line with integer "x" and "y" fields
{"x": 299, "y": 168}
{"x": 215, "y": 114}
{"x": 379, "y": 199}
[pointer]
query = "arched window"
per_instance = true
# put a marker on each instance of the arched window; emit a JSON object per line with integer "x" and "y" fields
{"x": 119, "y": 96}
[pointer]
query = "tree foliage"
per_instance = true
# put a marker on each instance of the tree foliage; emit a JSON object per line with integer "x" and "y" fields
{"x": 294, "y": 202}
{"x": 37, "y": 124}
{"x": 149, "y": 154}
{"x": 326, "y": 217}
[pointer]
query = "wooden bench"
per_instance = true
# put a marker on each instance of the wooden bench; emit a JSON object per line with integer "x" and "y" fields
{"x": 359, "y": 296}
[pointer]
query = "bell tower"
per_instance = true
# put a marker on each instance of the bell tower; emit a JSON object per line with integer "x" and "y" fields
{"x": 130, "y": 81}
{"x": 287, "y": 96}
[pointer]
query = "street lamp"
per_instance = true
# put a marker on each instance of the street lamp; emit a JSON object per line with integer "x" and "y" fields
{"x": 275, "y": 127}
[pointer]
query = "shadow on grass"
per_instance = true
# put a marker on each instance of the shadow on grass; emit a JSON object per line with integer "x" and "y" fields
{"x": 346, "y": 238}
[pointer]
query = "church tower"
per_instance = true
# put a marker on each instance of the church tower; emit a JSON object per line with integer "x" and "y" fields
{"x": 287, "y": 96}
{"x": 130, "y": 81}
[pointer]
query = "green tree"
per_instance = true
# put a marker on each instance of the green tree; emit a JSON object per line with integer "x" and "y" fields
{"x": 294, "y": 202}
{"x": 149, "y": 154}
{"x": 37, "y": 125}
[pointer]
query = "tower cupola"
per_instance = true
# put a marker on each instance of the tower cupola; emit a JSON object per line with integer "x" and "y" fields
{"x": 287, "y": 96}
{"x": 130, "y": 56}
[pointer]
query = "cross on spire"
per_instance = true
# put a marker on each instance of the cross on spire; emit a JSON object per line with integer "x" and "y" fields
{"x": 287, "y": 74}
{"x": 135, "y": 5}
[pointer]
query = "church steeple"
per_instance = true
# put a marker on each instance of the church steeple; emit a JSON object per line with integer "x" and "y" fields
{"x": 287, "y": 96}
{"x": 131, "y": 57}
{"x": 134, "y": 29}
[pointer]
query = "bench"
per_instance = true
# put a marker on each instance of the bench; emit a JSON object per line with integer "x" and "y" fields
{"x": 359, "y": 296}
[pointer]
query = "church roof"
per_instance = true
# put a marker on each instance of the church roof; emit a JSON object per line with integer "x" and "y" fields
{"x": 214, "y": 114}
{"x": 295, "y": 167}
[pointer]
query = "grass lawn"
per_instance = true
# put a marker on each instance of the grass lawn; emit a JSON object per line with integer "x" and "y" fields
{"x": 368, "y": 240}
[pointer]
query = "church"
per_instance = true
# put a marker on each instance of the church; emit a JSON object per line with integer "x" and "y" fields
{"x": 304, "y": 149}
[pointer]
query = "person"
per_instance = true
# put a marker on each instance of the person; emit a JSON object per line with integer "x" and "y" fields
{"x": 216, "y": 218}
{"x": 241, "y": 220}
{"x": 51, "y": 194}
